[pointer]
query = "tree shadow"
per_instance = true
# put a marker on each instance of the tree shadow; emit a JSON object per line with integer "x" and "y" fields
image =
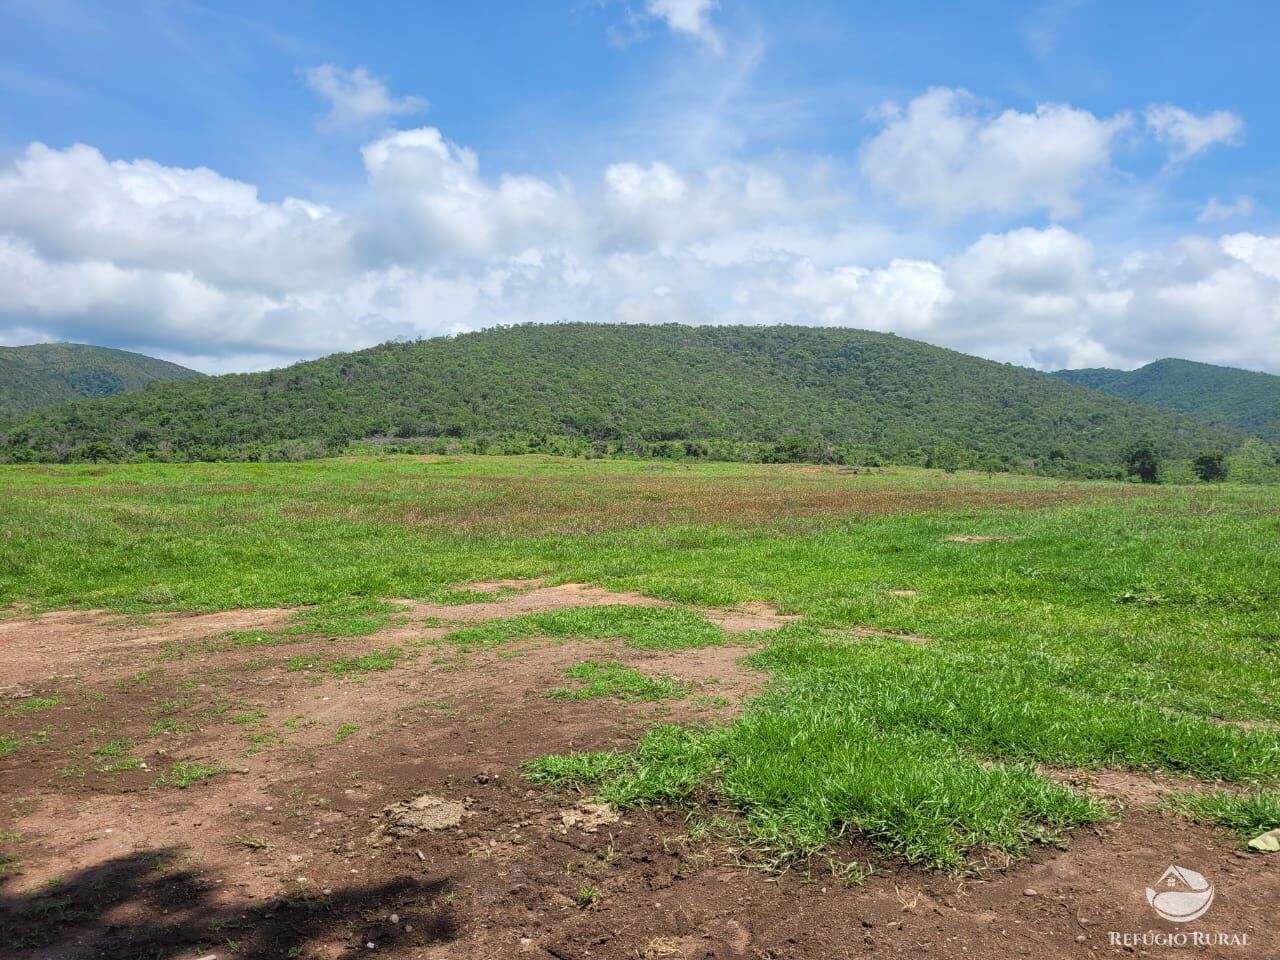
{"x": 142, "y": 906}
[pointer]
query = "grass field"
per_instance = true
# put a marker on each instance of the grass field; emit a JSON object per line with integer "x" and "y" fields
{"x": 956, "y": 636}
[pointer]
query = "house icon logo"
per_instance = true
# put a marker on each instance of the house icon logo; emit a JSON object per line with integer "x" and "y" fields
{"x": 1181, "y": 895}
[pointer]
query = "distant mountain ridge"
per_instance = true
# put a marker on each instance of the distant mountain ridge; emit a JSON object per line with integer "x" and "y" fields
{"x": 46, "y": 374}
{"x": 1225, "y": 396}
{"x": 785, "y": 392}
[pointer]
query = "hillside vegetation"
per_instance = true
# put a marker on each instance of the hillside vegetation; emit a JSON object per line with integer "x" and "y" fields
{"x": 47, "y": 374}
{"x": 1222, "y": 395}
{"x": 785, "y": 393}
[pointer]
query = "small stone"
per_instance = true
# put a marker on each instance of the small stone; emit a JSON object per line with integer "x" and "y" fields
{"x": 395, "y": 918}
{"x": 1030, "y": 892}
{"x": 1082, "y": 939}
{"x": 370, "y": 945}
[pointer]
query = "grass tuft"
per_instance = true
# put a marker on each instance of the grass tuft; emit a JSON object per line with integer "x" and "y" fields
{"x": 183, "y": 774}
{"x": 613, "y": 679}
{"x": 1247, "y": 814}
{"x": 650, "y": 628}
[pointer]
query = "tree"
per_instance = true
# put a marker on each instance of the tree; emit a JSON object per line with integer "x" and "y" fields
{"x": 1210, "y": 466}
{"x": 1142, "y": 460}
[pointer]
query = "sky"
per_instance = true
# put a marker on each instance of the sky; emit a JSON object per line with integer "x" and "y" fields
{"x": 241, "y": 185}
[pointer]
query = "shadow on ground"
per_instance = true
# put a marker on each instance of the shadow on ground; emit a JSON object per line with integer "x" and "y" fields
{"x": 143, "y": 906}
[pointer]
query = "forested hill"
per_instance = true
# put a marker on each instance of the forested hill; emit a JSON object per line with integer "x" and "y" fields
{"x": 45, "y": 374}
{"x": 1224, "y": 395}
{"x": 662, "y": 390}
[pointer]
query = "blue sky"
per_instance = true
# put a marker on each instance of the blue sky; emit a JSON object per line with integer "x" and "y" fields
{"x": 240, "y": 185}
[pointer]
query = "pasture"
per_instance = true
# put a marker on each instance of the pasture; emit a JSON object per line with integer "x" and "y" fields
{"x": 644, "y": 709}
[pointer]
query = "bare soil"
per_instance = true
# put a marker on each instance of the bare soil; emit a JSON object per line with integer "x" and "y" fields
{"x": 287, "y": 851}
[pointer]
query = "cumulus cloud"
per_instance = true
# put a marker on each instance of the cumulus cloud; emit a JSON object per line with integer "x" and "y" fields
{"x": 945, "y": 154}
{"x": 1189, "y": 134}
{"x": 198, "y": 267}
{"x": 74, "y": 204}
{"x": 1217, "y": 210}
{"x": 430, "y": 201}
{"x": 690, "y": 17}
{"x": 355, "y": 97}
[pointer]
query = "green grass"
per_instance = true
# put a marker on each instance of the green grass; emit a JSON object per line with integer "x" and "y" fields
{"x": 345, "y": 732}
{"x": 617, "y": 680}
{"x": 650, "y": 628}
{"x": 1116, "y": 626}
{"x": 355, "y": 617}
{"x": 183, "y": 774}
{"x": 369, "y": 662}
{"x": 37, "y": 704}
{"x": 915, "y": 795}
{"x": 113, "y": 749}
{"x": 9, "y": 745}
{"x": 347, "y": 666}
{"x": 348, "y": 617}
{"x": 1246, "y": 814}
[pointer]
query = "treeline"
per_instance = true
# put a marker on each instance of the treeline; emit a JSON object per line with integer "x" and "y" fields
{"x": 1240, "y": 399}
{"x": 1254, "y": 462}
{"x": 46, "y": 374}
{"x": 789, "y": 394}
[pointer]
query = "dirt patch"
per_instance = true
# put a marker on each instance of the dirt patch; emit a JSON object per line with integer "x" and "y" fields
{"x": 426, "y": 812}
{"x": 587, "y": 816}
{"x": 903, "y": 593}
{"x": 718, "y": 671}
{"x": 744, "y": 618}
{"x": 496, "y": 586}
{"x": 978, "y": 538}
{"x": 872, "y": 633}
{"x": 749, "y": 617}
{"x": 538, "y": 600}
{"x": 31, "y": 648}
{"x": 1128, "y": 788}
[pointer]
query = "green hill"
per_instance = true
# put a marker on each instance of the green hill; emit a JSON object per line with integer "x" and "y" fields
{"x": 1223, "y": 395}
{"x": 730, "y": 392}
{"x": 45, "y": 374}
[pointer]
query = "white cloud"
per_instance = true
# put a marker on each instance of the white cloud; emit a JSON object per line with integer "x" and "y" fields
{"x": 1216, "y": 210}
{"x": 690, "y": 17}
{"x": 430, "y": 201}
{"x": 198, "y": 267}
{"x": 946, "y": 155}
{"x": 74, "y": 204}
{"x": 907, "y": 296}
{"x": 1189, "y": 134}
{"x": 656, "y": 206}
{"x": 356, "y": 98}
